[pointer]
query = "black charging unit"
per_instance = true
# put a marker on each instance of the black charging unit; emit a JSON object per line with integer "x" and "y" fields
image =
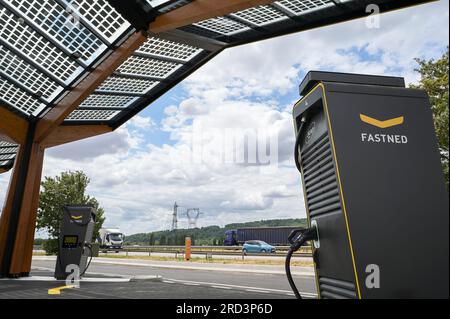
{"x": 373, "y": 187}
{"x": 75, "y": 239}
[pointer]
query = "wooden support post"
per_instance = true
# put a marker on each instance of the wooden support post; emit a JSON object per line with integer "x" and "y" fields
{"x": 18, "y": 220}
{"x": 23, "y": 246}
{"x": 6, "y": 215}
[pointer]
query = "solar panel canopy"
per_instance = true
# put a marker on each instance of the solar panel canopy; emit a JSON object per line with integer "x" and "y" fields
{"x": 48, "y": 47}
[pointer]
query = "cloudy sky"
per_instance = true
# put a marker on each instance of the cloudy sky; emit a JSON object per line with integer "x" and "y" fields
{"x": 140, "y": 170}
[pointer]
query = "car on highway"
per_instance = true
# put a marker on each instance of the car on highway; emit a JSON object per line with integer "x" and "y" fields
{"x": 257, "y": 246}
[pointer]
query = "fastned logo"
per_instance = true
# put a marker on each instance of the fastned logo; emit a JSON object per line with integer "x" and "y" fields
{"x": 382, "y": 124}
{"x": 381, "y": 137}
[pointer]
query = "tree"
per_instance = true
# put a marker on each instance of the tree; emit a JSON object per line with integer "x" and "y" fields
{"x": 152, "y": 239}
{"x": 69, "y": 188}
{"x": 162, "y": 240}
{"x": 434, "y": 80}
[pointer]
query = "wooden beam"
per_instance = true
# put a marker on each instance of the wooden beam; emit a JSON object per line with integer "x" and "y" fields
{"x": 21, "y": 258}
{"x": 71, "y": 101}
{"x": 13, "y": 128}
{"x": 70, "y": 133}
{"x": 200, "y": 10}
{"x": 8, "y": 206}
{"x": 29, "y": 241}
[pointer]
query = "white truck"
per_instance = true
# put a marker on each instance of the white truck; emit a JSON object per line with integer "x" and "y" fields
{"x": 111, "y": 238}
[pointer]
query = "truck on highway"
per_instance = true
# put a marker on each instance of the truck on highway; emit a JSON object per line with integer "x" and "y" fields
{"x": 111, "y": 238}
{"x": 276, "y": 236}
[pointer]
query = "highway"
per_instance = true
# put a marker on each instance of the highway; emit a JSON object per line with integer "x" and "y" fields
{"x": 268, "y": 279}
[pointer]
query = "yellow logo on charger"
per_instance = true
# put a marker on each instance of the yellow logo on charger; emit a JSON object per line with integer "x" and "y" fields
{"x": 382, "y": 124}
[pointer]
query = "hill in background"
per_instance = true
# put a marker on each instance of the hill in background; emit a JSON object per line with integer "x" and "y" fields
{"x": 211, "y": 235}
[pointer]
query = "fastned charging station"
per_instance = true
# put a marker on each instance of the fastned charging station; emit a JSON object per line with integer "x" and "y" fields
{"x": 373, "y": 186}
{"x": 77, "y": 229}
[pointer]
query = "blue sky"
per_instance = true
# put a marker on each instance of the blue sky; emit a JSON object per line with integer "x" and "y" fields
{"x": 140, "y": 170}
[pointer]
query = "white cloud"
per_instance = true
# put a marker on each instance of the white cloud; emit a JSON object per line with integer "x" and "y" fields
{"x": 142, "y": 123}
{"x": 138, "y": 183}
{"x": 118, "y": 142}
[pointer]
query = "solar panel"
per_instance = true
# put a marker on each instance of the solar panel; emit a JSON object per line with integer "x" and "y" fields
{"x": 100, "y": 15}
{"x": 261, "y": 15}
{"x": 8, "y": 153}
{"x": 223, "y": 25}
{"x": 117, "y": 84}
{"x": 92, "y": 115}
{"x": 13, "y": 66}
{"x": 301, "y": 7}
{"x": 34, "y": 46}
{"x": 145, "y": 67}
{"x": 60, "y": 25}
{"x": 18, "y": 98}
{"x": 47, "y": 46}
{"x": 107, "y": 101}
{"x": 160, "y": 48}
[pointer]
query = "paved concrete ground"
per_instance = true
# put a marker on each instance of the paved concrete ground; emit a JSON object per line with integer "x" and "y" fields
{"x": 141, "y": 289}
{"x": 223, "y": 279}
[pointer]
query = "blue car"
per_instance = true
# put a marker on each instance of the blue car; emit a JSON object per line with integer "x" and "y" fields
{"x": 257, "y": 246}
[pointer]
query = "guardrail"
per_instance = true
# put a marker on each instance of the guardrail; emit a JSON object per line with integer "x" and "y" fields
{"x": 209, "y": 251}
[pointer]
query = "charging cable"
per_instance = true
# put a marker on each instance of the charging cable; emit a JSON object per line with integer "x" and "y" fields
{"x": 89, "y": 246}
{"x": 297, "y": 239}
{"x": 297, "y": 143}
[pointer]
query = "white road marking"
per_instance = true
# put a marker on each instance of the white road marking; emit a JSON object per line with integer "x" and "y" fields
{"x": 221, "y": 287}
{"x": 52, "y": 279}
{"x": 258, "y": 289}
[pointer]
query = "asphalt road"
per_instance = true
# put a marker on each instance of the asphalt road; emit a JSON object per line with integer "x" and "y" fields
{"x": 270, "y": 283}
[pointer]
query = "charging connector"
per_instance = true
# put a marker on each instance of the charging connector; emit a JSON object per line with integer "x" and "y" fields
{"x": 297, "y": 239}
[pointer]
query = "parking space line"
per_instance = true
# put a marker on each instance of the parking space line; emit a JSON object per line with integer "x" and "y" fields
{"x": 57, "y": 291}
